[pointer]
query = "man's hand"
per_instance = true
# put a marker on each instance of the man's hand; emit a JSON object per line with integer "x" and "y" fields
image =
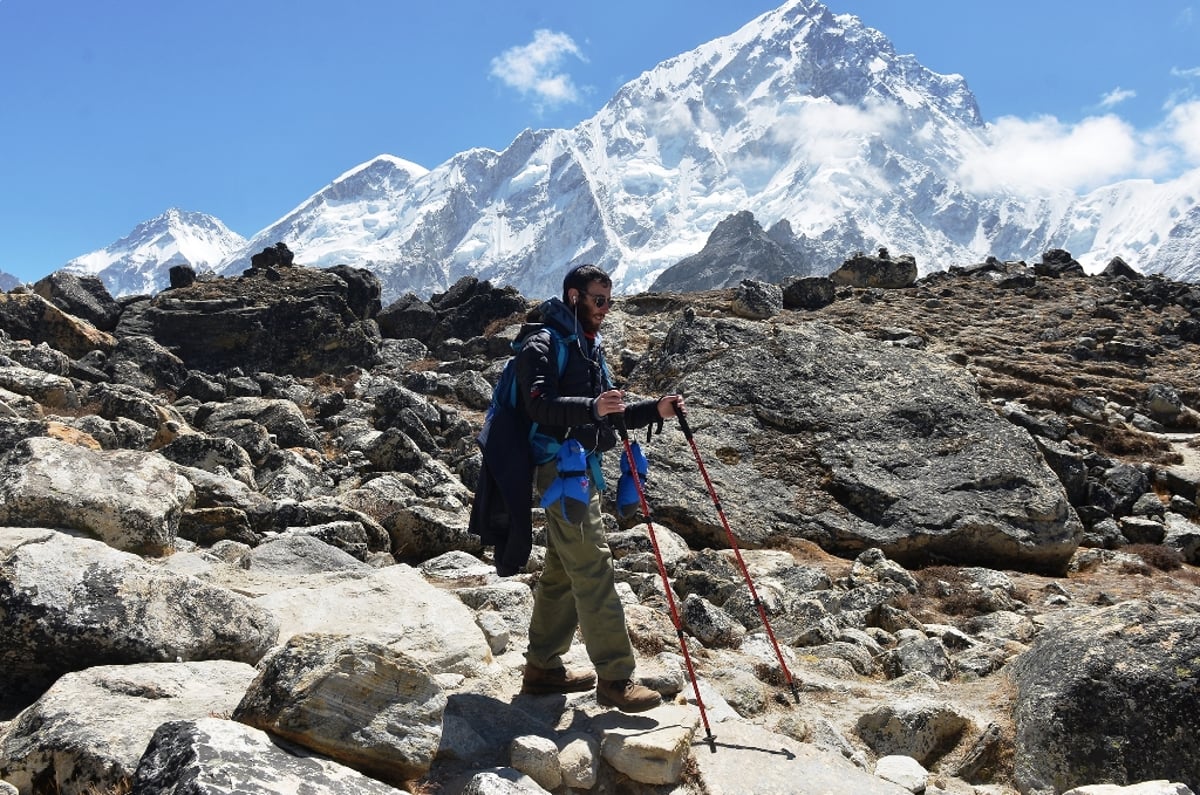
{"x": 610, "y": 402}
{"x": 669, "y": 405}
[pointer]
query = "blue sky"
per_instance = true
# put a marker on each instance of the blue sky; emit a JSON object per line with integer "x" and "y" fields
{"x": 112, "y": 112}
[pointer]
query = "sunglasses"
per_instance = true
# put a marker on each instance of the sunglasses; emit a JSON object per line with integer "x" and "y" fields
{"x": 601, "y": 301}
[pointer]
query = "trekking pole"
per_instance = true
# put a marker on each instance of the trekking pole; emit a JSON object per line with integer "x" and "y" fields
{"x": 762, "y": 613}
{"x": 619, "y": 421}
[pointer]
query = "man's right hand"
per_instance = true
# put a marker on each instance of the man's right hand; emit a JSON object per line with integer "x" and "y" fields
{"x": 610, "y": 402}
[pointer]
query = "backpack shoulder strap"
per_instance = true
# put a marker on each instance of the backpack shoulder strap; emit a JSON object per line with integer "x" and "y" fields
{"x": 547, "y": 445}
{"x": 562, "y": 348}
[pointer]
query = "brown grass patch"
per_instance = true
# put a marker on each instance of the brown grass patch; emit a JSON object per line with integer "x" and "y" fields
{"x": 1129, "y": 442}
{"x": 1189, "y": 575}
{"x": 502, "y": 323}
{"x": 1158, "y": 556}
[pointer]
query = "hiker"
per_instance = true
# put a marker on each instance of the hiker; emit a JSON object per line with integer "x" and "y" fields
{"x": 577, "y": 585}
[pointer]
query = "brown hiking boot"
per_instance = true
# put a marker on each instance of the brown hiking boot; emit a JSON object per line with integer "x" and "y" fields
{"x": 626, "y": 696}
{"x": 540, "y": 681}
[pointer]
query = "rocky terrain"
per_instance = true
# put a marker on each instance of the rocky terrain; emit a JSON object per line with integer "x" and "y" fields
{"x": 234, "y": 557}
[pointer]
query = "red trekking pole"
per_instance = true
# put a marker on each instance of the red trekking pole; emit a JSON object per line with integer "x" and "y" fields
{"x": 619, "y": 421}
{"x": 762, "y": 613}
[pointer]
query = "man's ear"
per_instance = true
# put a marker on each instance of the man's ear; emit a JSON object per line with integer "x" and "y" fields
{"x": 574, "y": 296}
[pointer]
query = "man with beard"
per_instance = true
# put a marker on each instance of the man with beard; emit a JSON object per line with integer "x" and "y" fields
{"x": 577, "y": 585}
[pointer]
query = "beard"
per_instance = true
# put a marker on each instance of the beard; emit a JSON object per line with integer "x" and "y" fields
{"x": 589, "y": 318}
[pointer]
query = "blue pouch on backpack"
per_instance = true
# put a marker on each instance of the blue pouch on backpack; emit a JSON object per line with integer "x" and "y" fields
{"x": 628, "y": 500}
{"x": 572, "y": 488}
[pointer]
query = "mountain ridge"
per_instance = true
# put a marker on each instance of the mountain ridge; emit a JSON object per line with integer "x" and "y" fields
{"x": 801, "y": 115}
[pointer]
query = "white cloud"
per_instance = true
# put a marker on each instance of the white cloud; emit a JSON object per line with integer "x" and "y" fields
{"x": 1193, "y": 72}
{"x": 1116, "y": 97}
{"x": 1183, "y": 128}
{"x": 1045, "y": 154}
{"x": 537, "y": 69}
{"x": 823, "y": 130}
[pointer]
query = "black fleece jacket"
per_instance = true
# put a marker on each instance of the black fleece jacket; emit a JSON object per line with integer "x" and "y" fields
{"x": 565, "y": 407}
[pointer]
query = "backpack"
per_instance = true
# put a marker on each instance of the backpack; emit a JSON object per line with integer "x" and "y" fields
{"x": 504, "y": 394}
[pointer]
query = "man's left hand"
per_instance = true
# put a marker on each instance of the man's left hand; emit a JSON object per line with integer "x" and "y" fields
{"x": 669, "y": 405}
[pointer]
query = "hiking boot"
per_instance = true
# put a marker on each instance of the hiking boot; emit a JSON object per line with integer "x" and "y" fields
{"x": 540, "y": 681}
{"x": 626, "y": 696}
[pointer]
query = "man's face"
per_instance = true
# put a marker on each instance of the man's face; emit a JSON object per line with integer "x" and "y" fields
{"x": 590, "y": 315}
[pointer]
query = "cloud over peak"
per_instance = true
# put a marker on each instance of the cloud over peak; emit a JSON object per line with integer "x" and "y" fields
{"x": 537, "y": 69}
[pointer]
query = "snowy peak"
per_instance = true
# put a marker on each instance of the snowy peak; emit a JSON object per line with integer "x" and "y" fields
{"x": 140, "y": 262}
{"x": 803, "y": 50}
{"x": 8, "y": 281}
{"x": 347, "y": 222}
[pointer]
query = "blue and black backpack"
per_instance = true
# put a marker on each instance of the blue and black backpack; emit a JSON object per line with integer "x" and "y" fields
{"x": 505, "y": 398}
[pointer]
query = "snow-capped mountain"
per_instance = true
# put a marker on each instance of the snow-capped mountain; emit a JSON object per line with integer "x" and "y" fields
{"x": 141, "y": 261}
{"x": 808, "y": 120}
{"x": 352, "y": 221}
{"x": 1180, "y": 254}
{"x": 8, "y": 281}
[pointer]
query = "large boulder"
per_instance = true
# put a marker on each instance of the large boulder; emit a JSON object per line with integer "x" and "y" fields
{"x": 87, "y": 733}
{"x": 283, "y": 320}
{"x": 50, "y": 390}
{"x": 394, "y": 606}
{"x": 83, "y": 296}
{"x": 31, "y": 317}
{"x": 303, "y": 690}
{"x": 1109, "y": 695}
{"x": 128, "y": 499}
{"x": 363, "y": 290}
{"x": 863, "y": 270}
{"x": 853, "y": 444}
{"x": 807, "y": 292}
{"x": 215, "y": 454}
{"x": 281, "y": 418}
{"x": 408, "y": 317}
{"x": 71, "y": 603}
{"x": 469, "y": 306}
{"x": 203, "y": 757}
{"x": 142, "y": 362}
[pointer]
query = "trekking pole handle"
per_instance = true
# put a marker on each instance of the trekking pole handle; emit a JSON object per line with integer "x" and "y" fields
{"x": 683, "y": 424}
{"x": 619, "y": 421}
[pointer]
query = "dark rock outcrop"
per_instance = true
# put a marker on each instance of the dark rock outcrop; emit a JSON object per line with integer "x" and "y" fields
{"x": 909, "y": 458}
{"x": 302, "y": 321}
{"x": 1058, "y": 262}
{"x": 83, "y": 296}
{"x": 737, "y": 249}
{"x": 863, "y": 270}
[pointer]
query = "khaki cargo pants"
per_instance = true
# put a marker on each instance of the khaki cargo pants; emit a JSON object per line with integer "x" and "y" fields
{"x": 578, "y": 587}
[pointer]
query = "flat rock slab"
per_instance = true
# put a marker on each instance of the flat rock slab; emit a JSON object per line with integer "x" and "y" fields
{"x": 748, "y": 758}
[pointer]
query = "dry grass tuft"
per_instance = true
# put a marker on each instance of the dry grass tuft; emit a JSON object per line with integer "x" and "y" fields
{"x": 1157, "y": 556}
